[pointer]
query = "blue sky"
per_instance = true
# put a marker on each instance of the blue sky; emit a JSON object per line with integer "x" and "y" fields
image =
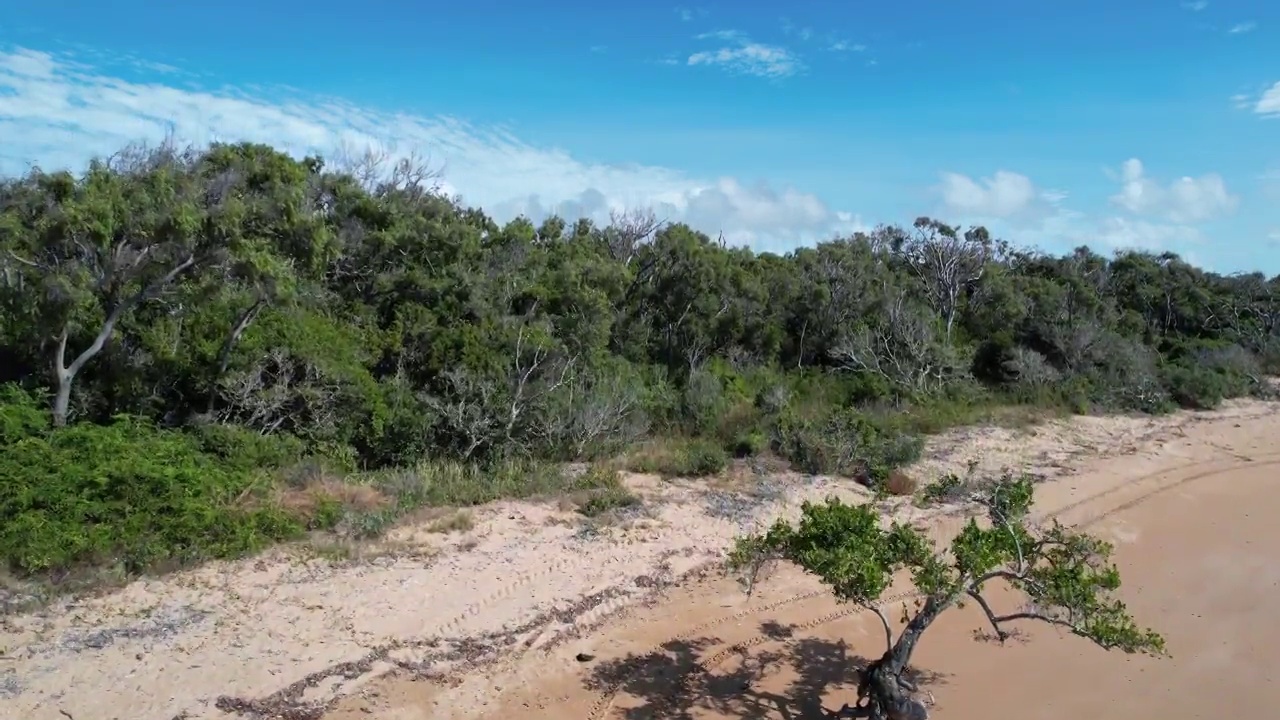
{"x": 1142, "y": 123}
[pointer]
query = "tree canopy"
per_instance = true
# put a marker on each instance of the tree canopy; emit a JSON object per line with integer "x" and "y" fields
{"x": 260, "y": 310}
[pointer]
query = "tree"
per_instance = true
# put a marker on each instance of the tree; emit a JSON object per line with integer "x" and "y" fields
{"x": 946, "y": 263}
{"x": 99, "y": 246}
{"x": 1065, "y": 575}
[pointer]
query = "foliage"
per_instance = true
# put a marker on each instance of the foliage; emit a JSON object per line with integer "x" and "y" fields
{"x": 122, "y": 494}
{"x": 259, "y": 311}
{"x": 1066, "y": 576}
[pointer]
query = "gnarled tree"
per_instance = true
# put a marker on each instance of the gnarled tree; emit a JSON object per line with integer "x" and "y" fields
{"x": 1065, "y": 575}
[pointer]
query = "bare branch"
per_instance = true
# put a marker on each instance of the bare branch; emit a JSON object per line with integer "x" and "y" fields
{"x": 629, "y": 230}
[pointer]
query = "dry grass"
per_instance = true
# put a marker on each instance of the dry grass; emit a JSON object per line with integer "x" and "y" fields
{"x": 900, "y": 484}
{"x": 456, "y": 521}
{"x": 310, "y": 499}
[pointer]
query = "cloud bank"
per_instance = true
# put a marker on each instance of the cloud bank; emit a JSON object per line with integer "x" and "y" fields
{"x": 1149, "y": 214}
{"x": 58, "y": 111}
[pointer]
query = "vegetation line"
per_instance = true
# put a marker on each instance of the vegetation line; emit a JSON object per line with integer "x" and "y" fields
{"x": 205, "y": 351}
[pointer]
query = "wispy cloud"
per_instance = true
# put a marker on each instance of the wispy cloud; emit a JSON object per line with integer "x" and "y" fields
{"x": 58, "y": 113}
{"x": 1195, "y": 5}
{"x": 790, "y": 29}
{"x": 1244, "y": 27}
{"x": 1268, "y": 103}
{"x": 845, "y": 46}
{"x": 741, "y": 55}
{"x": 687, "y": 14}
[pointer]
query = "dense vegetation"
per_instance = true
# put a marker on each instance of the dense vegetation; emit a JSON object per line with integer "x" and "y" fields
{"x": 204, "y": 351}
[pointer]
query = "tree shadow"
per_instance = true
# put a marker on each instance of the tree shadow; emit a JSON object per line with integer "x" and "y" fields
{"x": 784, "y": 678}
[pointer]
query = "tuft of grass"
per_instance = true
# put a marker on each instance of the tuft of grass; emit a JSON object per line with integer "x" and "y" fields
{"x": 946, "y": 489}
{"x": 599, "y": 502}
{"x": 458, "y": 521}
{"x": 671, "y": 458}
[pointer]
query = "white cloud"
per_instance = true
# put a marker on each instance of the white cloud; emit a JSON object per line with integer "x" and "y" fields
{"x": 1003, "y": 195}
{"x": 1127, "y": 233}
{"x": 1268, "y": 104}
{"x": 1185, "y": 200}
{"x": 790, "y": 28}
{"x": 743, "y": 56}
{"x": 1244, "y": 27}
{"x": 1195, "y": 5}
{"x": 689, "y": 14}
{"x": 846, "y": 46}
{"x": 1012, "y": 205}
{"x": 59, "y": 113}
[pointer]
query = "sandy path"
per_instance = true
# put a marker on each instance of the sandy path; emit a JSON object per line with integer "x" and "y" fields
{"x": 284, "y": 637}
{"x": 1197, "y": 549}
{"x": 1196, "y": 545}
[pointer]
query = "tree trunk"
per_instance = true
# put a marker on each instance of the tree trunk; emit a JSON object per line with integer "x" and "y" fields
{"x": 228, "y": 345}
{"x": 882, "y": 683}
{"x": 62, "y": 397}
{"x": 64, "y": 374}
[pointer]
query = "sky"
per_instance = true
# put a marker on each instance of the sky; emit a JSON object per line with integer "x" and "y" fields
{"x": 1150, "y": 124}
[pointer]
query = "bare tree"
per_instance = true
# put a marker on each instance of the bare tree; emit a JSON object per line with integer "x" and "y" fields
{"x": 483, "y": 411}
{"x": 900, "y": 344}
{"x": 946, "y": 263}
{"x": 628, "y": 230}
{"x": 379, "y": 171}
{"x": 281, "y": 393}
{"x": 594, "y": 412}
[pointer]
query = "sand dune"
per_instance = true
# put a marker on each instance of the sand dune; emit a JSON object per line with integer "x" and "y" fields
{"x": 529, "y": 615}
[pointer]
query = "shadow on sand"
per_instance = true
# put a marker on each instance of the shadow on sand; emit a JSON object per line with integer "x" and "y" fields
{"x": 787, "y": 678}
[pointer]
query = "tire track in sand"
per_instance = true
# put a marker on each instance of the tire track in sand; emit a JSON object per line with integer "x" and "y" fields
{"x": 603, "y": 704}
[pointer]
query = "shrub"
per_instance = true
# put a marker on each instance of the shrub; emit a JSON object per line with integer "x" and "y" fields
{"x": 124, "y": 494}
{"x": 244, "y": 449}
{"x": 692, "y": 458}
{"x": 1197, "y": 387}
{"x": 900, "y": 484}
{"x": 846, "y": 443}
{"x": 750, "y": 444}
{"x": 1127, "y": 378}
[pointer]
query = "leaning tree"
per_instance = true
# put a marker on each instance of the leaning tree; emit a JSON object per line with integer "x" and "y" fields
{"x": 1065, "y": 576}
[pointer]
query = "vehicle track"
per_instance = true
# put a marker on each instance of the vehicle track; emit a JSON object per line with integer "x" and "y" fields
{"x": 600, "y": 709}
{"x": 443, "y": 644}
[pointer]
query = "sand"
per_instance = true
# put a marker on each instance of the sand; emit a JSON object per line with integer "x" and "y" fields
{"x": 532, "y": 614}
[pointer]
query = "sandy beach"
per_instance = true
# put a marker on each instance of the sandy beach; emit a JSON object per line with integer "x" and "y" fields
{"x": 533, "y": 612}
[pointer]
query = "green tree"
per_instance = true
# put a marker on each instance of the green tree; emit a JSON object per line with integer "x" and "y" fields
{"x": 1065, "y": 575}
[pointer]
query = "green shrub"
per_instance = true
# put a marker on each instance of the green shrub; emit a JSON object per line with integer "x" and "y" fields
{"x": 703, "y": 459}
{"x": 1197, "y": 388}
{"x": 847, "y": 443}
{"x": 598, "y": 502}
{"x": 688, "y": 458}
{"x": 124, "y": 494}
{"x": 750, "y": 444}
{"x": 242, "y": 448}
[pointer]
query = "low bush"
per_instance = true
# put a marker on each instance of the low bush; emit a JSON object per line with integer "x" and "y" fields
{"x": 687, "y": 458}
{"x": 125, "y": 494}
{"x": 847, "y": 443}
